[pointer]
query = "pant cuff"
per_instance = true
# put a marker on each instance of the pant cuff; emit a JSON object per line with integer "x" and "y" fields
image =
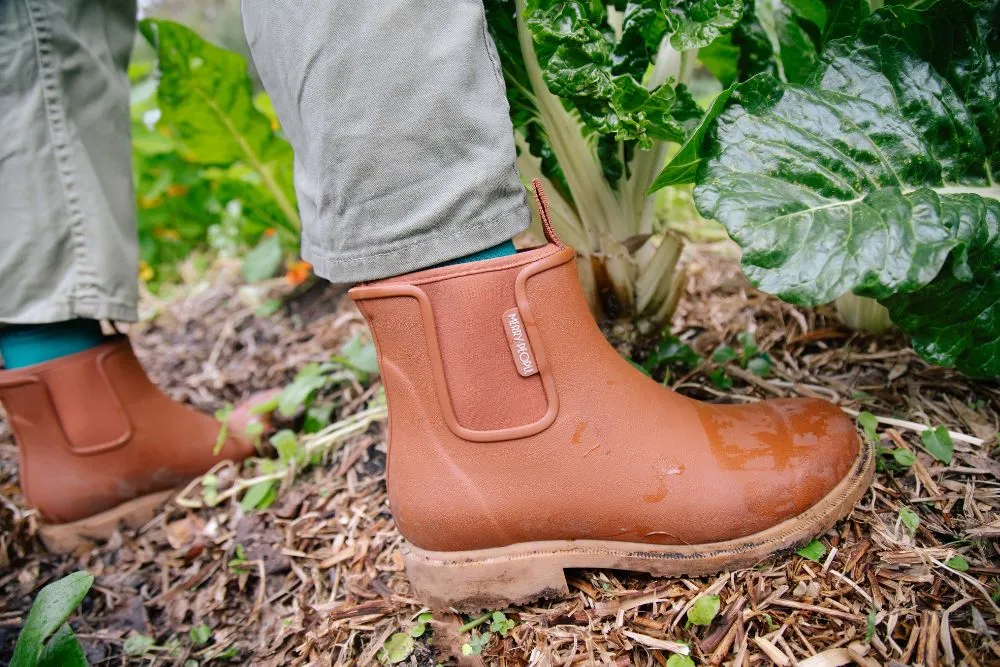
{"x": 421, "y": 252}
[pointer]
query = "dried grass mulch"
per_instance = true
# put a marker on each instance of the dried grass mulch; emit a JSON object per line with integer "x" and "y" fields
{"x": 318, "y": 577}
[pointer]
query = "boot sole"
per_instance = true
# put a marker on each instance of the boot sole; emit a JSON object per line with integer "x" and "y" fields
{"x": 496, "y": 578}
{"x": 66, "y": 537}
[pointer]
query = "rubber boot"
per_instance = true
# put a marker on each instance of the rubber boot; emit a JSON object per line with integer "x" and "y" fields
{"x": 521, "y": 444}
{"x": 101, "y": 446}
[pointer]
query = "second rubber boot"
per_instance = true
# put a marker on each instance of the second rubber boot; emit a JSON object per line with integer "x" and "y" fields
{"x": 101, "y": 446}
{"x": 521, "y": 444}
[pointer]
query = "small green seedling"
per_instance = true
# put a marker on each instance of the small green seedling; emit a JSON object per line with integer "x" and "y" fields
{"x": 138, "y": 644}
{"x": 704, "y": 610}
{"x": 870, "y": 625}
{"x": 420, "y": 627}
{"x": 396, "y": 649}
{"x": 748, "y": 356}
{"x": 679, "y": 661}
{"x": 721, "y": 379}
{"x": 200, "y": 634}
{"x": 958, "y": 563}
{"x": 477, "y": 643}
{"x": 501, "y": 624}
{"x": 46, "y": 640}
{"x": 669, "y": 353}
{"x": 222, "y": 415}
{"x": 239, "y": 561}
{"x": 869, "y": 424}
{"x": 260, "y": 496}
{"x": 909, "y": 519}
{"x": 938, "y": 443}
{"x": 813, "y": 551}
{"x": 358, "y": 355}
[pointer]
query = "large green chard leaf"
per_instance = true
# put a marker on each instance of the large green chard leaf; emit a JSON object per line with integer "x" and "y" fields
{"x": 206, "y": 98}
{"x": 955, "y": 320}
{"x": 697, "y": 23}
{"x": 782, "y": 37}
{"x": 875, "y": 178}
{"x": 601, "y": 78}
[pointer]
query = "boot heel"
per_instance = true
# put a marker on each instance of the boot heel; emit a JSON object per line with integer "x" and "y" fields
{"x": 469, "y": 584}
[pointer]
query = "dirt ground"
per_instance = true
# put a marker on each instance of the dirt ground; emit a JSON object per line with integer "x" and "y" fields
{"x": 317, "y": 578}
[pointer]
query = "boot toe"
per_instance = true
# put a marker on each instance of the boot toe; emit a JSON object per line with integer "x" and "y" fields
{"x": 787, "y": 454}
{"x": 821, "y": 447}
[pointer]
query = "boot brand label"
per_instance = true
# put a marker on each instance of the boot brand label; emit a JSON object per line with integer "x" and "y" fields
{"x": 524, "y": 358}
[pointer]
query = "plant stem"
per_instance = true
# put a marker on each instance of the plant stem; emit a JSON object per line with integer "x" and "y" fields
{"x": 863, "y": 314}
{"x": 474, "y": 623}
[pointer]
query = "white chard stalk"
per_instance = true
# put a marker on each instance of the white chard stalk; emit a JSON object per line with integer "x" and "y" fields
{"x": 626, "y": 270}
{"x": 861, "y": 313}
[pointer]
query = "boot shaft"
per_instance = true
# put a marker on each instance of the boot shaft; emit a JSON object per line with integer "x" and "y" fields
{"x": 512, "y": 420}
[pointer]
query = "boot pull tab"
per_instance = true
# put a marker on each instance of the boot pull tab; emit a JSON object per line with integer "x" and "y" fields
{"x": 543, "y": 213}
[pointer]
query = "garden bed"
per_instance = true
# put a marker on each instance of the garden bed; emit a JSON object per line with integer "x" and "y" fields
{"x": 317, "y": 578}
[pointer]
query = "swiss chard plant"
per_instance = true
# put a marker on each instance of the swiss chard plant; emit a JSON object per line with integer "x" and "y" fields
{"x": 212, "y": 169}
{"x": 865, "y": 165}
{"x": 597, "y": 97}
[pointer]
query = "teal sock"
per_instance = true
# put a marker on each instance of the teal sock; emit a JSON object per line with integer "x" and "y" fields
{"x": 28, "y": 344}
{"x": 502, "y": 250}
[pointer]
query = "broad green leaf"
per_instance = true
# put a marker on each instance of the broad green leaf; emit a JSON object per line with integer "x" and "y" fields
{"x": 397, "y": 648}
{"x": 52, "y": 606}
{"x": 869, "y": 424}
{"x": 843, "y": 18}
{"x": 937, "y": 441}
{"x": 793, "y": 52}
{"x": 684, "y": 165}
{"x": 676, "y": 660}
{"x": 697, "y": 23}
{"x": 909, "y": 519}
{"x": 721, "y": 59}
{"x": 580, "y": 63}
{"x": 813, "y": 551}
{"x": 813, "y": 11}
{"x": 206, "y": 97}
{"x": 874, "y": 178}
{"x": 958, "y": 563}
{"x": 260, "y": 495}
{"x": 264, "y": 261}
{"x": 704, "y": 610}
{"x": 63, "y": 650}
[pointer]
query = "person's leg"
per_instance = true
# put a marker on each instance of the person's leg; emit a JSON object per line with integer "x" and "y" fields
{"x": 68, "y": 247}
{"x": 399, "y": 120}
{"x": 99, "y": 444}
